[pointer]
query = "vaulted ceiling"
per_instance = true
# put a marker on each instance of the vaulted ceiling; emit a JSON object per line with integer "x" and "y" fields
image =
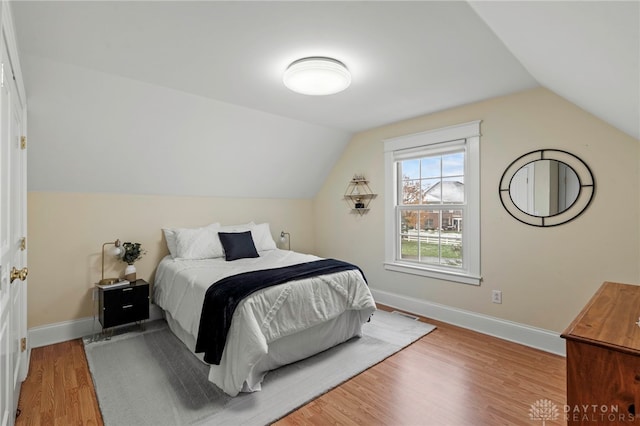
{"x": 193, "y": 84}
{"x": 585, "y": 51}
{"x": 407, "y": 58}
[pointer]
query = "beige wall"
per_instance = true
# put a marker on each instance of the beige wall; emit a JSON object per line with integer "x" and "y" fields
{"x": 546, "y": 274}
{"x": 67, "y": 230}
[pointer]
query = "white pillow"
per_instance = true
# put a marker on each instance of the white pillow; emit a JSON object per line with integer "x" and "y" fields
{"x": 170, "y": 234}
{"x": 262, "y": 238}
{"x": 204, "y": 243}
{"x": 237, "y": 228}
{"x": 200, "y": 243}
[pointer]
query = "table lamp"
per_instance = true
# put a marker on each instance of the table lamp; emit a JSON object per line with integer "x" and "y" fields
{"x": 116, "y": 251}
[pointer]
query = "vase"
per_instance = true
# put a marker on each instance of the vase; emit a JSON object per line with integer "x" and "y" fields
{"x": 130, "y": 273}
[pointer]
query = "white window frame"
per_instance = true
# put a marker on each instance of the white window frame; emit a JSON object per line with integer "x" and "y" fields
{"x": 465, "y": 135}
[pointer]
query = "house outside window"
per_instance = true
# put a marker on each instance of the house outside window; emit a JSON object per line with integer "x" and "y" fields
{"x": 432, "y": 215}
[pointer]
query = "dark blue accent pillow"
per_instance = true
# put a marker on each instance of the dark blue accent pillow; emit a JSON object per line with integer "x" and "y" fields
{"x": 238, "y": 245}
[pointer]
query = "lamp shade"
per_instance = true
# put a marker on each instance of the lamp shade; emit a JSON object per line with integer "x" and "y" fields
{"x": 317, "y": 76}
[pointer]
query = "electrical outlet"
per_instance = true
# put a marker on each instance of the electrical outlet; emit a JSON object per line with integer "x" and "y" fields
{"x": 496, "y": 296}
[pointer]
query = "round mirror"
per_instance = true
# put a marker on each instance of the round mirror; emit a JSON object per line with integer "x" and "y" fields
{"x": 547, "y": 187}
{"x": 544, "y": 188}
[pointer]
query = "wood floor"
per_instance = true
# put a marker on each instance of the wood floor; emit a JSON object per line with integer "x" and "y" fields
{"x": 452, "y": 376}
{"x": 59, "y": 389}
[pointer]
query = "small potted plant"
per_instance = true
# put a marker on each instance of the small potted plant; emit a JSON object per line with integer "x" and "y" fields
{"x": 130, "y": 253}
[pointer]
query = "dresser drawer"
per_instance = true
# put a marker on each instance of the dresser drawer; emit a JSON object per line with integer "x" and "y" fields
{"x": 124, "y": 305}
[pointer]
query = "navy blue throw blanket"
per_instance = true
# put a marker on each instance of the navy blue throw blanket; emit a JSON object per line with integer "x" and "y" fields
{"x": 222, "y": 298}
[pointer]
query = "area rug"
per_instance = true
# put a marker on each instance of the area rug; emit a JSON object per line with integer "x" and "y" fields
{"x": 150, "y": 378}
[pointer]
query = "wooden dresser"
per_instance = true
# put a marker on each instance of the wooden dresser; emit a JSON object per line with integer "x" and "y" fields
{"x": 603, "y": 359}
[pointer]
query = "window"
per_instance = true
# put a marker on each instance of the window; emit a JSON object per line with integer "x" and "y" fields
{"x": 432, "y": 210}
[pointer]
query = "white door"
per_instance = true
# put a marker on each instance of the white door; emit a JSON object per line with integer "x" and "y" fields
{"x": 568, "y": 188}
{"x": 13, "y": 255}
{"x": 521, "y": 188}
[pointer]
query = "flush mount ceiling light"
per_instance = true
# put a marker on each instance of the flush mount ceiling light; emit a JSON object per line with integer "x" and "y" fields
{"x": 317, "y": 76}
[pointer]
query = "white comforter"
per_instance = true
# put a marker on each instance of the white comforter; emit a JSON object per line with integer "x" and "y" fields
{"x": 263, "y": 317}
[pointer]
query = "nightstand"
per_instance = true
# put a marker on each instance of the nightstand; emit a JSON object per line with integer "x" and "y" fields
{"x": 123, "y": 305}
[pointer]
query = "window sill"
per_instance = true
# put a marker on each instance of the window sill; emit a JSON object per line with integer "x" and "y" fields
{"x": 439, "y": 274}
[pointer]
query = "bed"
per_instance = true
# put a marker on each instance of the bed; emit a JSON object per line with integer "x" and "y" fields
{"x": 271, "y": 327}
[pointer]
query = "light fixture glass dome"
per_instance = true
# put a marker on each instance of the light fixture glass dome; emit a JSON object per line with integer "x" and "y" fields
{"x": 317, "y": 76}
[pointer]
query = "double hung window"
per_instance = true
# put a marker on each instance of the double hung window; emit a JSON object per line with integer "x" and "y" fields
{"x": 432, "y": 210}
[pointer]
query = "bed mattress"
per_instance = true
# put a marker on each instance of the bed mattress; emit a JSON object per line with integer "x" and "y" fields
{"x": 270, "y": 328}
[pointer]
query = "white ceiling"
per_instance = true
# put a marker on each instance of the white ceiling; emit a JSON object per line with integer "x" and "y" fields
{"x": 407, "y": 58}
{"x": 587, "y": 51}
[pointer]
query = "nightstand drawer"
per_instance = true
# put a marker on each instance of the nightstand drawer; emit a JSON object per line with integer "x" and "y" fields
{"x": 123, "y": 305}
{"x": 126, "y": 296}
{"x": 124, "y": 314}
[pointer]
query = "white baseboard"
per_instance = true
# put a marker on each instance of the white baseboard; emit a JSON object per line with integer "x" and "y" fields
{"x": 538, "y": 338}
{"x": 68, "y": 330}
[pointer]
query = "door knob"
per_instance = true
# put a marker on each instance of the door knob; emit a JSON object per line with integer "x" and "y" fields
{"x": 20, "y": 274}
